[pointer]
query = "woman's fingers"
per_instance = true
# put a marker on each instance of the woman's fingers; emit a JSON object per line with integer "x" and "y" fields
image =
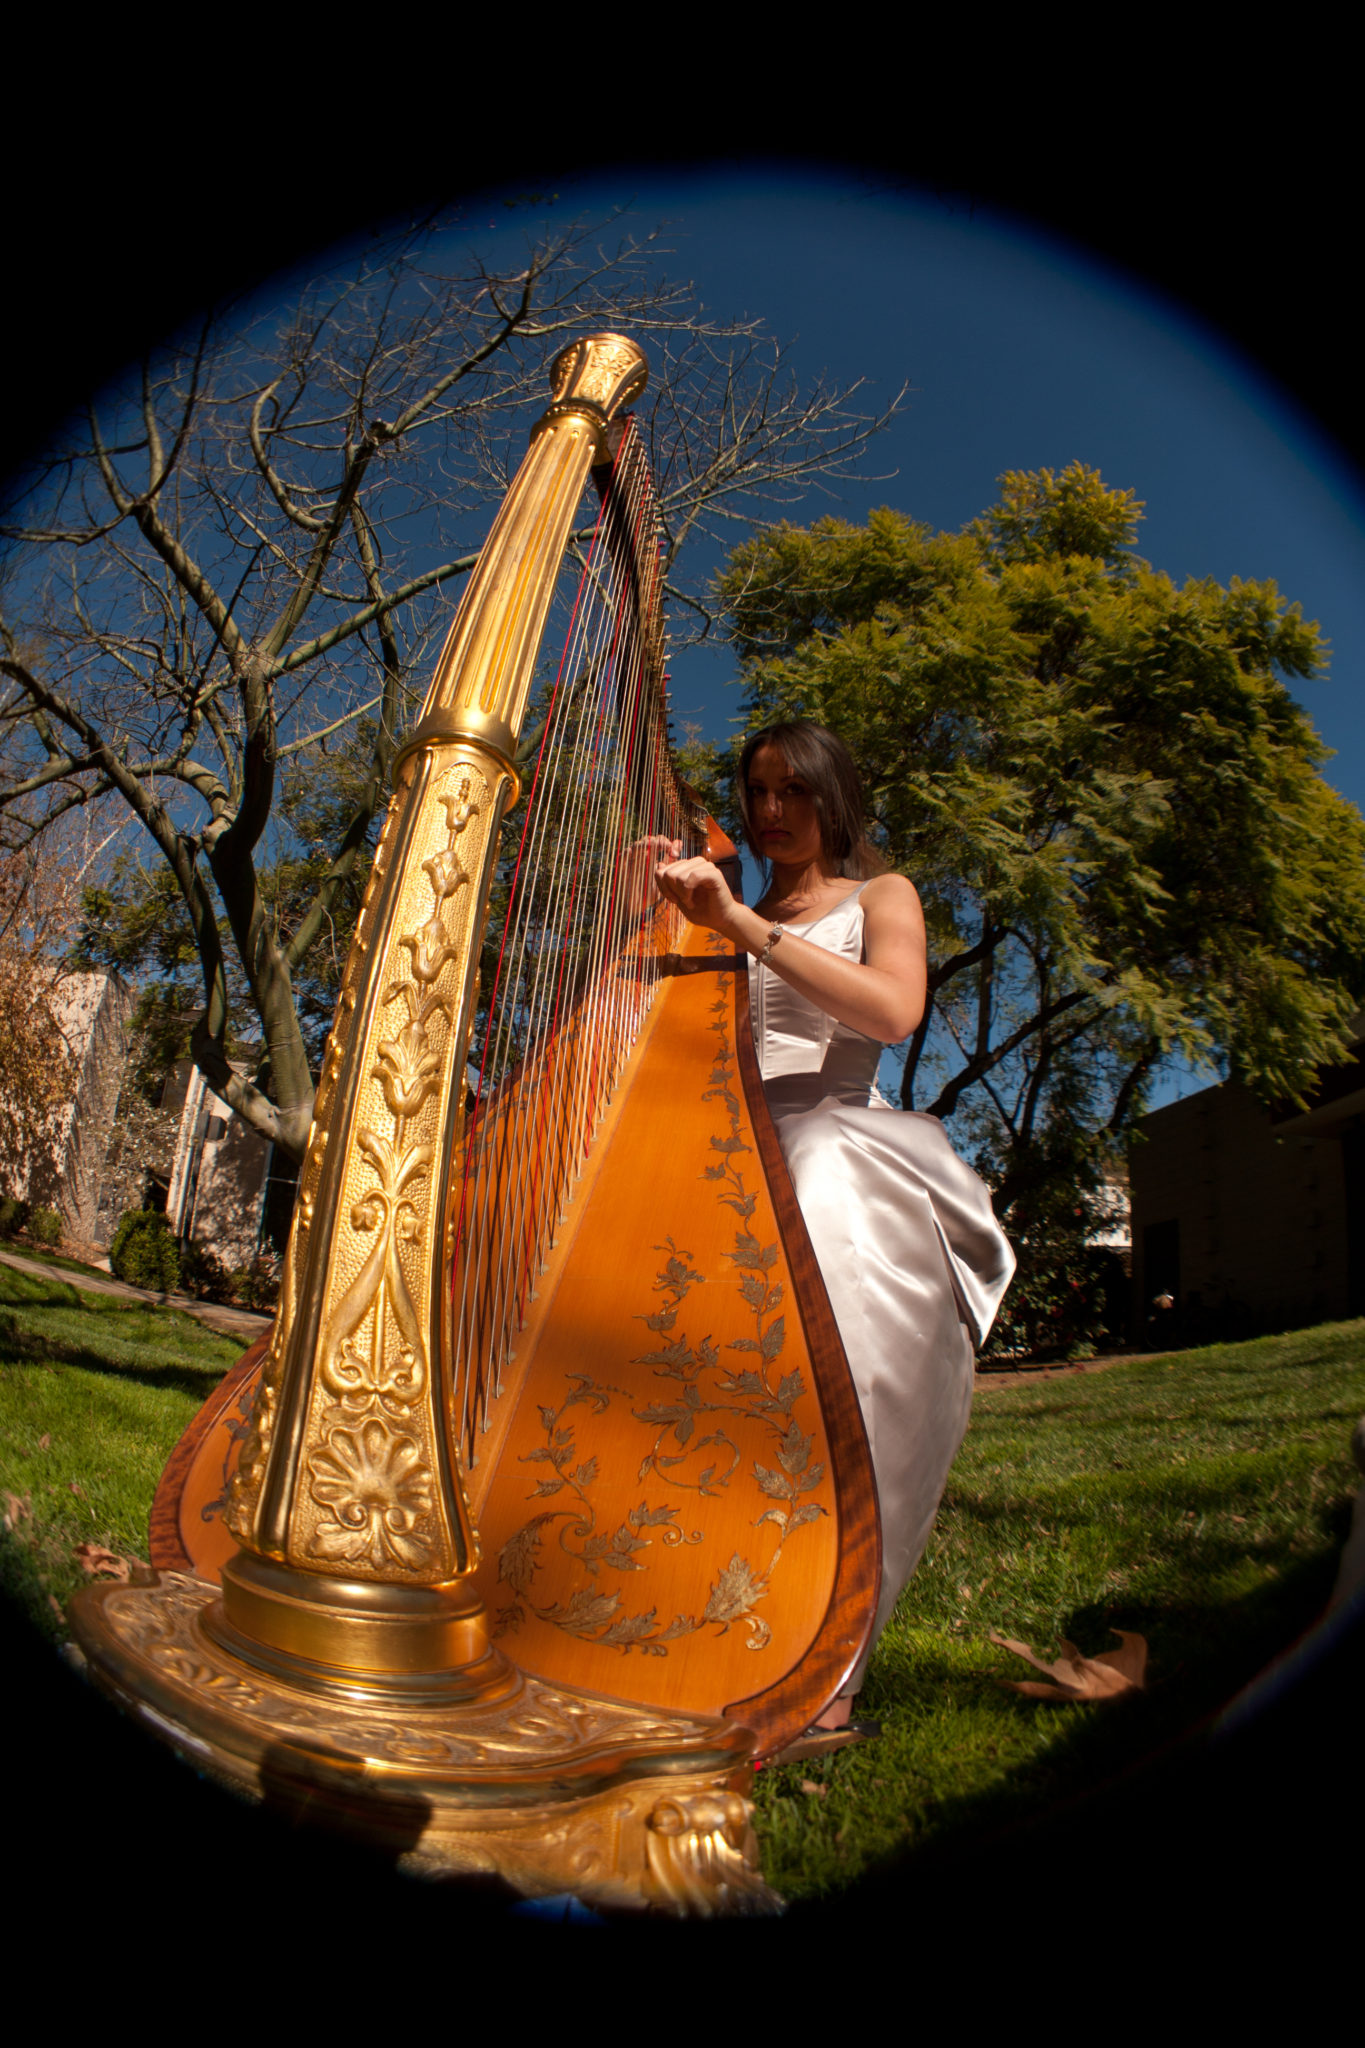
{"x": 642, "y": 862}
{"x": 697, "y": 887}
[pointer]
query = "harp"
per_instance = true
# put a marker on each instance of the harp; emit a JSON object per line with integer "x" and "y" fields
{"x": 546, "y": 1507}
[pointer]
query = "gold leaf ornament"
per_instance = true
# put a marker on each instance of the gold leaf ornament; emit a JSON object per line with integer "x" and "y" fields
{"x": 376, "y": 1486}
{"x": 444, "y": 872}
{"x": 408, "y": 1070}
{"x": 735, "y": 1590}
{"x": 370, "y": 1211}
{"x": 431, "y": 947}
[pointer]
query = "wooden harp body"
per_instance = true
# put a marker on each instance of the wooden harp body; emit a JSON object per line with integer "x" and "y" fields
{"x": 673, "y": 1491}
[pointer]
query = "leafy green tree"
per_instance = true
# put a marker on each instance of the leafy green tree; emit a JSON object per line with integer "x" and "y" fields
{"x": 1104, "y": 791}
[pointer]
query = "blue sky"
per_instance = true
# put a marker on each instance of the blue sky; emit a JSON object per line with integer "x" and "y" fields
{"x": 1022, "y": 353}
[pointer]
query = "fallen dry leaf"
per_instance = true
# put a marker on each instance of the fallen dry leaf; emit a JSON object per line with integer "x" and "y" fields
{"x": 76, "y": 1487}
{"x": 809, "y": 1785}
{"x": 16, "y": 1510}
{"x": 1075, "y": 1677}
{"x": 45, "y": 1441}
{"x": 97, "y": 1562}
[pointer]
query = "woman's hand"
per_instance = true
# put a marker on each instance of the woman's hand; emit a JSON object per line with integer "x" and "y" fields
{"x": 882, "y": 995}
{"x": 639, "y": 865}
{"x": 700, "y": 891}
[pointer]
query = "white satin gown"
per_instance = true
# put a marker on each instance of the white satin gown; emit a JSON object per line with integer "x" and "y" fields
{"x": 913, "y": 1258}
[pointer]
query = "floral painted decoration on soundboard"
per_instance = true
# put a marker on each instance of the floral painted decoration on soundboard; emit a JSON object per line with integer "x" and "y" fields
{"x": 687, "y": 1448}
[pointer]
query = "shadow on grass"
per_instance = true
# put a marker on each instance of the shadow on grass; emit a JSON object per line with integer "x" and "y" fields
{"x": 28, "y": 1294}
{"x": 198, "y": 1382}
{"x": 35, "y": 1348}
{"x": 1221, "y": 1854}
{"x": 24, "y": 1599}
{"x": 1150, "y": 1747}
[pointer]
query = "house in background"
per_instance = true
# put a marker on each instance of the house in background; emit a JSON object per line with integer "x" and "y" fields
{"x": 1247, "y": 1218}
{"x": 109, "y": 1150}
{"x": 229, "y": 1191}
{"x": 1115, "y": 1234}
{"x": 106, "y": 1149}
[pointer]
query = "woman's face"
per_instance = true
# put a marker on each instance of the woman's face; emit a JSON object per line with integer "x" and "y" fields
{"x": 785, "y": 820}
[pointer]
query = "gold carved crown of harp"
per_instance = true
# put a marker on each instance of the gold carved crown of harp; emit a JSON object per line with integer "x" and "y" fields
{"x": 550, "y": 1481}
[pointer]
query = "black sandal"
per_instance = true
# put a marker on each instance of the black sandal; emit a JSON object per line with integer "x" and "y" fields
{"x": 818, "y": 1741}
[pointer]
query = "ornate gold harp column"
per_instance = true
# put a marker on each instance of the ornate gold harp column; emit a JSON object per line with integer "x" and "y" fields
{"x": 347, "y": 1664}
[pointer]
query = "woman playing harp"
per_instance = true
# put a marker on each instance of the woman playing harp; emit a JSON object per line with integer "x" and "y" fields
{"x": 518, "y": 1329}
{"x": 908, "y": 1246}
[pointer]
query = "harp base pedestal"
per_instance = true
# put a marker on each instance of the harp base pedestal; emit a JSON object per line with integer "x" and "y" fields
{"x": 548, "y": 1789}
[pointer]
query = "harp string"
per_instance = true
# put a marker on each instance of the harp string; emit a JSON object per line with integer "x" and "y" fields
{"x": 538, "y": 1169}
{"x": 570, "y": 1067}
{"x": 536, "y": 1173}
{"x": 558, "y": 1071}
{"x": 539, "y": 859}
{"x": 579, "y": 954}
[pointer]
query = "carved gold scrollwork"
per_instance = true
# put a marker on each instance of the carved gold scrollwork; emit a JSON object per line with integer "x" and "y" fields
{"x": 703, "y": 1857}
{"x": 250, "y": 1474}
{"x": 608, "y": 372}
{"x": 369, "y": 1467}
{"x": 541, "y": 1720}
{"x": 552, "y": 1789}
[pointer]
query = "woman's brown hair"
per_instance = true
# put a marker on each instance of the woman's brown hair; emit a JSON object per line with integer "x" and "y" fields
{"x": 822, "y": 761}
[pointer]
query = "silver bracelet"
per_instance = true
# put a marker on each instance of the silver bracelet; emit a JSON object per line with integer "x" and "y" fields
{"x": 773, "y": 937}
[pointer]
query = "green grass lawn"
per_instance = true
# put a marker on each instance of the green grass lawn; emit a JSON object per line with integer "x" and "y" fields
{"x": 94, "y": 1394}
{"x": 1200, "y": 1498}
{"x": 43, "y": 1257}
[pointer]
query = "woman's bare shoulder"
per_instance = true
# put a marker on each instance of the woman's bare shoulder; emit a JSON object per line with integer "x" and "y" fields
{"x": 895, "y": 891}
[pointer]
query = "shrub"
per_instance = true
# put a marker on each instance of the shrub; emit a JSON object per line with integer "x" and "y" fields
{"x": 257, "y": 1285}
{"x": 1064, "y": 1302}
{"x": 144, "y": 1253}
{"x": 1057, "y": 1306}
{"x": 203, "y": 1274}
{"x": 1055, "y": 1194}
{"x": 45, "y": 1227}
{"x": 14, "y": 1213}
